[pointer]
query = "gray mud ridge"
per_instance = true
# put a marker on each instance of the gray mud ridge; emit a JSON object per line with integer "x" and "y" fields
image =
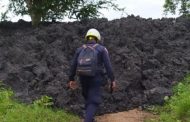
{"x": 148, "y": 56}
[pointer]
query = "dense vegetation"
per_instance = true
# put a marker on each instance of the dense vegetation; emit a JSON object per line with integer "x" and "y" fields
{"x": 181, "y": 6}
{"x": 176, "y": 108}
{"x": 39, "y": 111}
{"x": 58, "y": 9}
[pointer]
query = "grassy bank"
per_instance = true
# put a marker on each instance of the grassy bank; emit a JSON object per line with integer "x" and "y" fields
{"x": 177, "y": 107}
{"x": 39, "y": 111}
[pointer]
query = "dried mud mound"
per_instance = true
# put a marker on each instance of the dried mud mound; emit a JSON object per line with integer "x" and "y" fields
{"x": 148, "y": 56}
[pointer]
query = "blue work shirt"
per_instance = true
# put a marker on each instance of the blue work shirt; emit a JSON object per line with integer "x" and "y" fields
{"x": 103, "y": 60}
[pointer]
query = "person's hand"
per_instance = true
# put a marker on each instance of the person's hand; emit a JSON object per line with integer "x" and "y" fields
{"x": 113, "y": 86}
{"x": 72, "y": 85}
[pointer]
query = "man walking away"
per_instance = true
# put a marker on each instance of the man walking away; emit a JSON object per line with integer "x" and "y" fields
{"x": 88, "y": 63}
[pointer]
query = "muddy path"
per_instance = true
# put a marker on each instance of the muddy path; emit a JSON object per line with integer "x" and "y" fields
{"x": 134, "y": 115}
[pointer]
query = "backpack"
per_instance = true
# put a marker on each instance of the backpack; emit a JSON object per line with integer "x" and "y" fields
{"x": 87, "y": 61}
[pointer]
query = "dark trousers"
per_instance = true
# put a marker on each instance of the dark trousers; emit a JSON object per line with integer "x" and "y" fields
{"x": 91, "y": 91}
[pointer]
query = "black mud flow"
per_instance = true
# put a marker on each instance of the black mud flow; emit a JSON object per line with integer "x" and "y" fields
{"x": 148, "y": 56}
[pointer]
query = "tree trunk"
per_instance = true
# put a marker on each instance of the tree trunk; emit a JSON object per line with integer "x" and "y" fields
{"x": 36, "y": 18}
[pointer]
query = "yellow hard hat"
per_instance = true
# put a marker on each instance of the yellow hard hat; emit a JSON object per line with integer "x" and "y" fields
{"x": 94, "y": 33}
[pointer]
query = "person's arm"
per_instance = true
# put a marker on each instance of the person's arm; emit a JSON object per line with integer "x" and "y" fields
{"x": 72, "y": 83}
{"x": 109, "y": 70}
{"x": 107, "y": 64}
{"x": 73, "y": 66}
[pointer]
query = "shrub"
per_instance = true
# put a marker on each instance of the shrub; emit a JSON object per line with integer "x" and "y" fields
{"x": 39, "y": 111}
{"x": 177, "y": 107}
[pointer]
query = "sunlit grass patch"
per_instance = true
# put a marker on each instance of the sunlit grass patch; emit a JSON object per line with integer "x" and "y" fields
{"x": 177, "y": 107}
{"x": 39, "y": 111}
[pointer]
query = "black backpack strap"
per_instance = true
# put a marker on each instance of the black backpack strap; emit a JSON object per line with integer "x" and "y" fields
{"x": 94, "y": 46}
{"x": 91, "y": 47}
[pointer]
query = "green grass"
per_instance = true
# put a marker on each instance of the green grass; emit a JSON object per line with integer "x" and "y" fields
{"x": 39, "y": 111}
{"x": 177, "y": 107}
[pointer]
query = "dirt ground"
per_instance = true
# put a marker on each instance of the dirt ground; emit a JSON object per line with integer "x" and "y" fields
{"x": 129, "y": 116}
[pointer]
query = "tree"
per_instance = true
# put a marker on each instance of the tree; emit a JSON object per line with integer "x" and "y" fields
{"x": 41, "y": 10}
{"x": 174, "y": 5}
